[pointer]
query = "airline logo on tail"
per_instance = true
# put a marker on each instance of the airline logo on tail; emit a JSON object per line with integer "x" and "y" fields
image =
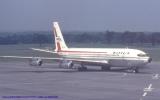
{"x": 59, "y": 40}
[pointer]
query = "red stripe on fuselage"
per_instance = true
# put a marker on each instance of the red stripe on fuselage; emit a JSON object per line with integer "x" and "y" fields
{"x": 66, "y": 51}
{"x": 93, "y": 54}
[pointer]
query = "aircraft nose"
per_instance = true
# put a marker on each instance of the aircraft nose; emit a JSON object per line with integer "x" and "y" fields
{"x": 149, "y": 60}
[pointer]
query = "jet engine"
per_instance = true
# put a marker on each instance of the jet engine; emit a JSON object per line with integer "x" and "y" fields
{"x": 35, "y": 61}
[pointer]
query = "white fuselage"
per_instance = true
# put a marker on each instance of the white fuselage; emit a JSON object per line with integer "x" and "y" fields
{"x": 113, "y": 56}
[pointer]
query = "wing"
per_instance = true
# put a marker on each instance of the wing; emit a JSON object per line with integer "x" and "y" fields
{"x": 43, "y": 50}
{"x": 21, "y": 57}
{"x": 70, "y": 59}
{"x": 60, "y": 59}
{"x": 36, "y": 49}
{"x": 25, "y": 57}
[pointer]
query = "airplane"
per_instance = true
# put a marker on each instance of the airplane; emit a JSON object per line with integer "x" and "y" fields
{"x": 106, "y": 58}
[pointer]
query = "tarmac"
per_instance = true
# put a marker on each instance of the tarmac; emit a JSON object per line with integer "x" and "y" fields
{"x": 19, "y": 81}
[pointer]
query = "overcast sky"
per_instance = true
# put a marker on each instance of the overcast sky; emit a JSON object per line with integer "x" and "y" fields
{"x": 80, "y": 15}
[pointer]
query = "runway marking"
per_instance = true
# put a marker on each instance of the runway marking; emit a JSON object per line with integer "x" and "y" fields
{"x": 144, "y": 94}
{"x": 146, "y": 90}
{"x": 156, "y": 76}
{"x": 149, "y": 88}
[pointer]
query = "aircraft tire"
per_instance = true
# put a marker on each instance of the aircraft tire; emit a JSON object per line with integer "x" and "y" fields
{"x": 40, "y": 63}
{"x": 136, "y": 70}
{"x": 82, "y": 68}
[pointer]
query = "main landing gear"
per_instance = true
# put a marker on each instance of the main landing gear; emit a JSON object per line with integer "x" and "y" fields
{"x": 82, "y": 68}
{"x": 134, "y": 69}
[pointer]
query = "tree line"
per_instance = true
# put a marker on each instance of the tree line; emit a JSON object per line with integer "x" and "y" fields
{"x": 108, "y": 37}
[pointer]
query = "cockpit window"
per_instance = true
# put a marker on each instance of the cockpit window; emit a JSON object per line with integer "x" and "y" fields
{"x": 143, "y": 55}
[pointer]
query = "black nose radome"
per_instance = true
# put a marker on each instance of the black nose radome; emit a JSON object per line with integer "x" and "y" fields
{"x": 150, "y": 60}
